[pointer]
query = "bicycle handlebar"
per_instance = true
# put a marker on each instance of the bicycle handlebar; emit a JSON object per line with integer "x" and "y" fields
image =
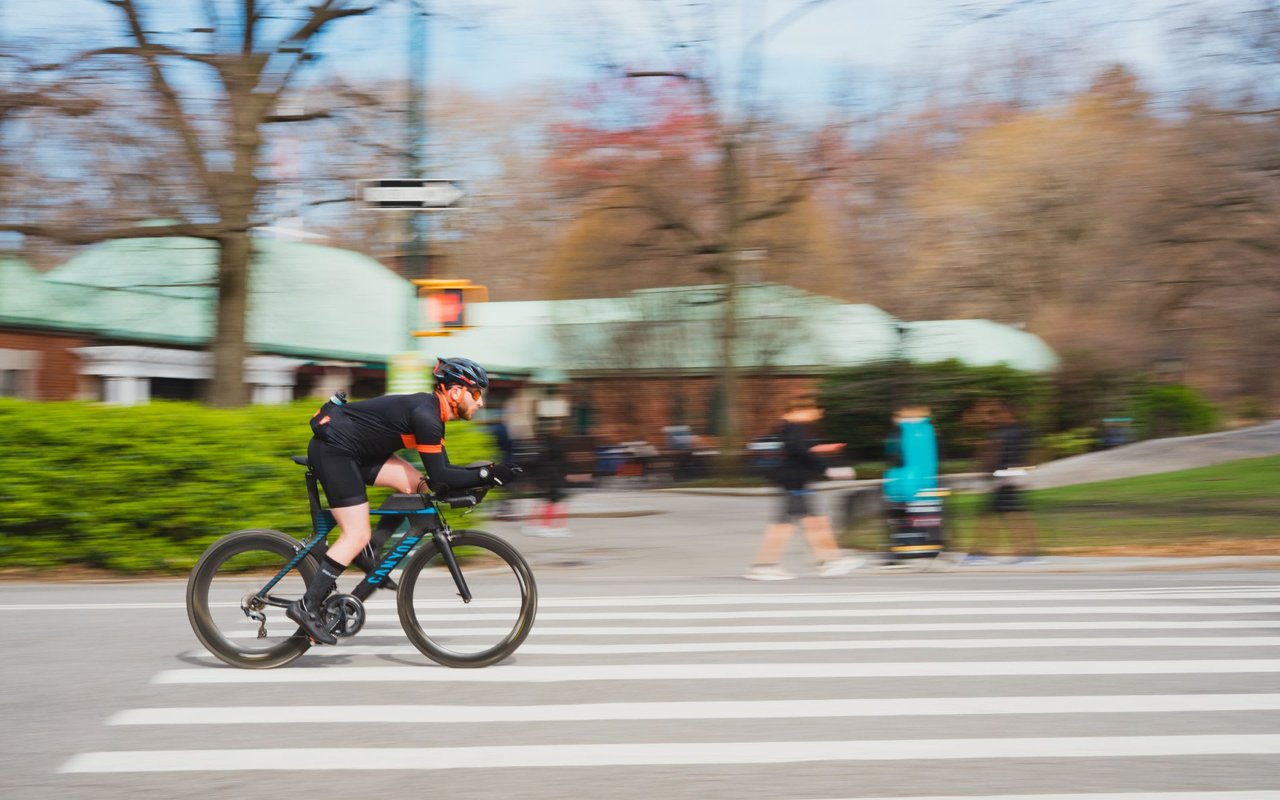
{"x": 468, "y": 499}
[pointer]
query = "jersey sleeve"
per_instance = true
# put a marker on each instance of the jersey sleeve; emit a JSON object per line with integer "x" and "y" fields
{"x": 428, "y": 441}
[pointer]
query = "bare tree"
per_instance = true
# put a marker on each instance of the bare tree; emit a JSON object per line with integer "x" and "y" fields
{"x": 745, "y": 186}
{"x": 246, "y": 54}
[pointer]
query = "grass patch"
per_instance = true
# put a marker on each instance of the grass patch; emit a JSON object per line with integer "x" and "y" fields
{"x": 1231, "y": 508}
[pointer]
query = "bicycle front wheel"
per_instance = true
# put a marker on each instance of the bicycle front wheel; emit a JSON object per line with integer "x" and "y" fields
{"x": 221, "y": 594}
{"x": 504, "y": 600}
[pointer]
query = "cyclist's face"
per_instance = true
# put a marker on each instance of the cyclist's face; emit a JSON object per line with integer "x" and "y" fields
{"x": 469, "y": 401}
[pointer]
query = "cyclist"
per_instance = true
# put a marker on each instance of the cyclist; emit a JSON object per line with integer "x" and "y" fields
{"x": 354, "y": 445}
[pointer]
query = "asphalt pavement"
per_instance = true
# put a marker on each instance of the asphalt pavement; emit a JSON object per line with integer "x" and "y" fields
{"x": 655, "y": 670}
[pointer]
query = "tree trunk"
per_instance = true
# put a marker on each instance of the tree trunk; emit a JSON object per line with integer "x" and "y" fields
{"x": 730, "y": 416}
{"x": 228, "y": 389}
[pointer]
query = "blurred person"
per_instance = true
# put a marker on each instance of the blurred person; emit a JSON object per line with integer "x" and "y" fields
{"x": 506, "y": 455}
{"x": 681, "y": 442}
{"x": 800, "y": 464}
{"x": 912, "y": 449}
{"x": 1003, "y": 458}
{"x": 354, "y": 445}
{"x": 910, "y": 489}
{"x": 551, "y": 481}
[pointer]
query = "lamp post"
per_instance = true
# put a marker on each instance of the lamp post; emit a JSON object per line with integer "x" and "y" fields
{"x": 416, "y": 262}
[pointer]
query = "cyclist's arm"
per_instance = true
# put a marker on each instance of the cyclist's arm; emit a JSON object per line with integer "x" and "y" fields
{"x": 428, "y": 433}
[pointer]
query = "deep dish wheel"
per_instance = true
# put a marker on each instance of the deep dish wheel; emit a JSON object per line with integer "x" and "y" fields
{"x": 235, "y": 566}
{"x": 476, "y": 634}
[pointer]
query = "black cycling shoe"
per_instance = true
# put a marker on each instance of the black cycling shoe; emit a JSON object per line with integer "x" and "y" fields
{"x": 311, "y": 623}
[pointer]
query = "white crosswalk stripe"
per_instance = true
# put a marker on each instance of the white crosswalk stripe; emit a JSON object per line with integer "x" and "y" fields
{"x": 1185, "y": 674}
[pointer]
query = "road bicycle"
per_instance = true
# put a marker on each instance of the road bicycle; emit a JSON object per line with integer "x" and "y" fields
{"x": 465, "y": 598}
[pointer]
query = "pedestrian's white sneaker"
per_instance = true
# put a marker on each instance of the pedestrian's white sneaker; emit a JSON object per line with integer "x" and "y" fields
{"x": 840, "y": 566}
{"x": 768, "y": 572}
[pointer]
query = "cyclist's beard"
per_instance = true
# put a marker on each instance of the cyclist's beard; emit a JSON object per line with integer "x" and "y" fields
{"x": 465, "y": 411}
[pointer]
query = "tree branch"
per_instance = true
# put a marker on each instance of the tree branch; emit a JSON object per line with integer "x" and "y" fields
{"x": 307, "y": 117}
{"x": 149, "y": 50}
{"x": 160, "y": 83}
{"x": 295, "y": 43}
{"x": 799, "y": 190}
{"x": 79, "y": 235}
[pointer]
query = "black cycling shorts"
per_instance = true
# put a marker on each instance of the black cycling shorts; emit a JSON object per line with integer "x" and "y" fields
{"x": 342, "y": 475}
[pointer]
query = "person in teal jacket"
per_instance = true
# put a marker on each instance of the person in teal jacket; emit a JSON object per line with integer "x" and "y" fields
{"x": 912, "y": 449}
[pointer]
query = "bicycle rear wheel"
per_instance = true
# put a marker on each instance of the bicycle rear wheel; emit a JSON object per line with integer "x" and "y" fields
{"x": 504, "y": 600}
{"x": 224, "y": 584}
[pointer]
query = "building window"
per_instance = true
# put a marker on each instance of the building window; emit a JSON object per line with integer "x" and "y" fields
{"x": 12, "y": 382}
{"x": 176, "y": 389}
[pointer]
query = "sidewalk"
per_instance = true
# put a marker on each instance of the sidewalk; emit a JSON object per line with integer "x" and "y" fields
{"x": 714, "y": 534}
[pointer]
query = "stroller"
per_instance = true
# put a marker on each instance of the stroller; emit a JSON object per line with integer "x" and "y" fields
{"x": 917, "y": 527}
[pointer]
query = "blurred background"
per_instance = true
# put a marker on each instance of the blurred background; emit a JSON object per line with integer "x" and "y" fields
{"x": 678, "y": 213}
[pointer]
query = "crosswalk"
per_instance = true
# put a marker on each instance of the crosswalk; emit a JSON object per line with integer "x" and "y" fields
{"x": 1168, "y": 693}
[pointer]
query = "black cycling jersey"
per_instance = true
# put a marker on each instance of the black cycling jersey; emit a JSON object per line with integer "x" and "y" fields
{"x": 370, "y": 431}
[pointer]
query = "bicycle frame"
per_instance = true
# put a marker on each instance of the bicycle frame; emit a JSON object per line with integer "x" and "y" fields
{"x": 424, "y": 521}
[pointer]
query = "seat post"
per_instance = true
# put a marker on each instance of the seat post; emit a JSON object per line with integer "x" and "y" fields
{"x": 321, "y": 520}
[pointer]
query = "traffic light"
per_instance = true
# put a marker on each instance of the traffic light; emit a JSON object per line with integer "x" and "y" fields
{"x": 444, "y": 304}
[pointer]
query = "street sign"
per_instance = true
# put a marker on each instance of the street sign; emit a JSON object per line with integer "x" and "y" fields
{"x": 413, "y": 194}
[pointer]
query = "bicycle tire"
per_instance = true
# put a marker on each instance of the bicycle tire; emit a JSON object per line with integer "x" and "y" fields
{"x": 220, "y": 624}
{"x": 504, "y": 591}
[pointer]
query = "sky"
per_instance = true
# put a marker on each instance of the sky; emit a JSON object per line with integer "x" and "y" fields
{"x": 507, "y": 45}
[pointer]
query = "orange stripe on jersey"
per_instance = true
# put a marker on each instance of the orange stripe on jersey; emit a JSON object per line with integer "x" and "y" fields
{"x": 412, "y": 443}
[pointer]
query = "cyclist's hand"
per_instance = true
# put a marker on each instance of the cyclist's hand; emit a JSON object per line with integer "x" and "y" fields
{"x": 502, "y": 474}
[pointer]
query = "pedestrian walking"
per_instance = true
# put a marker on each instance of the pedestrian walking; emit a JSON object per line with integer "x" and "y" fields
{"x": 801, "y": 463}
{"x": 550, "y": 477}
{"x": 1003, "y": 458}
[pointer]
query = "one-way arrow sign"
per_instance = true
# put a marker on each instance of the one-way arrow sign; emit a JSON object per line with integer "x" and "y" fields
{"x": 416, "y": 194}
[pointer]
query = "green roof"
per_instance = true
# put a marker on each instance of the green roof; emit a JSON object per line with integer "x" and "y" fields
{"x": 678, "y": 329}
{"x": 304, "y": 299}
{"x": 321, "y": 302}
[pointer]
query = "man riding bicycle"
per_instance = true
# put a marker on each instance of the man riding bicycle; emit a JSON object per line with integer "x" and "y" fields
{"x": 354, "y": 445}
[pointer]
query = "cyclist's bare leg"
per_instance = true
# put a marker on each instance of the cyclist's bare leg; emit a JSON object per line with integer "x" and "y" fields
{"x": 398, "y": 474}
{"x": 353, "y": 521}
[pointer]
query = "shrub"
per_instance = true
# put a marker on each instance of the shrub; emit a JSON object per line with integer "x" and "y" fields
{"x": 1068, "y": 443}
{"x": 149, "y": 487}
{"x": 1173, "y": 410}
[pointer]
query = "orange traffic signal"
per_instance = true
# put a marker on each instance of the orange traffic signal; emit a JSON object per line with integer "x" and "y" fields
{"x": 444, "y": 304}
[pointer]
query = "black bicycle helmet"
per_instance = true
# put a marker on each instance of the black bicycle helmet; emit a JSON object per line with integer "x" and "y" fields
{"x": 462, "y": 371}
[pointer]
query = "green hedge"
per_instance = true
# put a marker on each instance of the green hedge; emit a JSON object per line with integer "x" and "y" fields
{"x": 860, "y": 401}
{"x": 149, "y": 487}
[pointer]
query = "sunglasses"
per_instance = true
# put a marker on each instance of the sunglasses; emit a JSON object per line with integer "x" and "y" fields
{"x": 474, "y": 391}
